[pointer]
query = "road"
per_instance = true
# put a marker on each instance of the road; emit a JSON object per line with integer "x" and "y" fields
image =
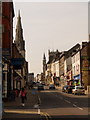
{"x": 62, "y": 105}
{"x": 51, "y": 105}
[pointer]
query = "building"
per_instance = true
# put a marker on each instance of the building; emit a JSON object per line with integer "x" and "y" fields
{"x": 52, "y": 67}
{"x": 7, "y": 41}
{"x": 30, "y": 77}
{"x": 44, "y": 68}
{"x": 19, "y": 63}
{"x": 61, "y": 68}
{"x": 38, "y": 78}
{"x": 69, "y": 64}
{"x": 85, "y": 65}
{"x": 76, "y": 66}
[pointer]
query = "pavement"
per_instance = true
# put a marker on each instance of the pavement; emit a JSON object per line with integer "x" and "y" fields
{"x": 13, "y": 110}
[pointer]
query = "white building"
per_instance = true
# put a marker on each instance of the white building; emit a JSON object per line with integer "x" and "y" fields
{"x": 76, "y": 68}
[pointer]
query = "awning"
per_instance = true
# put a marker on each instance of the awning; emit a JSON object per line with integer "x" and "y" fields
{"x": 77, "y": 77}
{"x": 17, "y": 62}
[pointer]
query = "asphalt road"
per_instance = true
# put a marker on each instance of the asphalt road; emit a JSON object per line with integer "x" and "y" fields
{"x": 50, "y": 105}
{"x": 60, "y": 105}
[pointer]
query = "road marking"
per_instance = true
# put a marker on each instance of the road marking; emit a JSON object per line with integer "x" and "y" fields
{"x": 77, "y": 107}
{"x": 38, "y": 111}
{"x": 39, "y": 99}
{"x": 27, "y": 112}
{"x": 48, "y": 115}
{"x": 67, "y": 101}
{"x": 36, "y": 106}
{"x": 80, "y": 108}
{"x": 19, "y": 111}
{"x": 74, "y": 105}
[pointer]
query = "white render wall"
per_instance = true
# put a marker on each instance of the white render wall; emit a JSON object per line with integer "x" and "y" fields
{"x": 57, "y": 68}
{"x": 53, "y": 68}
{"x": 76, "y": 64}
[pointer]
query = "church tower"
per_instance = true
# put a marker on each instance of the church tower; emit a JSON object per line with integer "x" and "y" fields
{"x": 44, "y": 66}
{"x": 20, "y": 43}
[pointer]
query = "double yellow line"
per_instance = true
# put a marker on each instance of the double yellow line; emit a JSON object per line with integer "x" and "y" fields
{"x": 27, "y": 112}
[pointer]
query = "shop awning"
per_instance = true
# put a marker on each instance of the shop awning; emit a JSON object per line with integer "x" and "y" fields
{"x": 77, "y": 77}
{"x": 17, "y": 62}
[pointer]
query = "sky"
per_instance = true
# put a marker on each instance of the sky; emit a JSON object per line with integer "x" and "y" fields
{"x": 51, "y": 25}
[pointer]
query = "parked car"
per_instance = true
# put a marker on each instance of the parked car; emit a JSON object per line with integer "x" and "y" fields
{"x": 43, "y": 83}
{"x": 70, "y": 87}
{"x": 78, "y": 90}
{"x": 65, "y": 88}
{"x": 40, "y": 87}
{"x": 51, "y": 86}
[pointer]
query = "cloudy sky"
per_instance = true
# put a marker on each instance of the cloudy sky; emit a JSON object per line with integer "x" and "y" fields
{"x": 51, "y": 25}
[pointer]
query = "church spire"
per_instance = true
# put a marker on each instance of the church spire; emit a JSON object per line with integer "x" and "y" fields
{"x": 20, "y": 43}
{"x": 19, "y": 31}
{"x": 44, "y": 57}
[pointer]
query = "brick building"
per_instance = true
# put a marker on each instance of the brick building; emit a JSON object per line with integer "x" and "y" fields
{"x": 7, "y": 40}
{"x": 85, "y": 63}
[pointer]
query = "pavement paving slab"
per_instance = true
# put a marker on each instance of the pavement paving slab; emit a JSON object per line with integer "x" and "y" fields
{"x": 14, "y": 110}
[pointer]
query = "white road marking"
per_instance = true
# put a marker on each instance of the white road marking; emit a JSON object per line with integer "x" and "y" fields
{"x": 39, "y": 99}
{"x": 77, "y": 107}
{"x": 67, "y": 101}
{"x": 80, "y": 108}
{"x": 36, "y": 106}
{"x": 74, "y": 105}
{"x": 39, "y": 111}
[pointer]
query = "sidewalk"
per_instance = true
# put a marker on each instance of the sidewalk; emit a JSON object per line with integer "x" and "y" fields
{"x": 32, "y": 99}
{"x": 15, "y": 106}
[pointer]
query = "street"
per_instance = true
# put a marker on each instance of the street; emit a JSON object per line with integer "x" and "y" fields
{"x": 48, "y": 105}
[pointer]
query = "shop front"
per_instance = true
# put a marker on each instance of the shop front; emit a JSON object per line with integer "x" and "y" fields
{"x": 76, "y": 80}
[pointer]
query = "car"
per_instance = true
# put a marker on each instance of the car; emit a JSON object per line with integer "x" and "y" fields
{"x": 70, "y": 87}
{"x": 51, "y": 86}
{"x": 40, "y": 87}
{"x": 43, "y": 83}
{"x": 78, "y": 90}
{"x": 65, "y": 88}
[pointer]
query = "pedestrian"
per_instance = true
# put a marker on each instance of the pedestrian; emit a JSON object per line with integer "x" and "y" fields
{"x": 22, "y": 95}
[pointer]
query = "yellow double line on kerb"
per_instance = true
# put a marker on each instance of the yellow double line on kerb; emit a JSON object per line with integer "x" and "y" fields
{"x": 27, "y": 112}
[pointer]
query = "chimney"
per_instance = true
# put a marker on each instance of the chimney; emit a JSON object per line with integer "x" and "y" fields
{"x": 84, "y": 44}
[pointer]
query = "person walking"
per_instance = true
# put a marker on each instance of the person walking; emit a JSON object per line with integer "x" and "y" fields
{"x": 23, "y": 95}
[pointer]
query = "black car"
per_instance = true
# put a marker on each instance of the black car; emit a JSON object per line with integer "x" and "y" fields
{"x": 67, "y": 88}
{"x": 70, "y": 89}
{"x": 51, "y": 86}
